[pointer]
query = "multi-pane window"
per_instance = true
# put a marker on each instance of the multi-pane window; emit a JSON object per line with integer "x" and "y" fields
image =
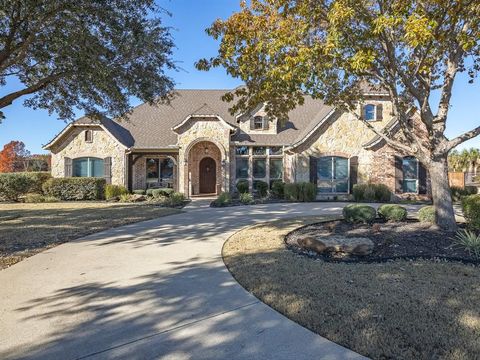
{"x": 242, "y": 168}
{"x": 369, "y": 112}
{"x": 152, "y": 170}
{"x": 258, "y": 123}
{"x": 88, "y": 167}
{"x": 241, "y": 150}
{"x": 410, "y": 174}
{"x": 332, "y": 174}
{"x": 166, "y": 172}
{"x": 160, "y": 172}
{"x": 276, "y": 169}
{"x": 275, "y": 150}
{"x": 259, "y": 168}
{"x": 259, "y": 150}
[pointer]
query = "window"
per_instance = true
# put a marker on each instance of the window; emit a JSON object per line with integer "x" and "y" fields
{"x": 241, "y": 150}
{"x": 332, "y": 174}
{"x": 410, "y": 174}
{"x": 166, "y": 173}
{"x": 259, "y": 168}
{"x": 87, "y": 167}
{"x": 258, "y": 123}
{"x": 275, "y": 150}
{"x": 259, "y": 150}
{"x": 242, "y": 168}
{"x": 370, "y": 112}
{"x": 276, "y": 169}
{"x": 88, "y": 136}
{"x": 152, "y": 170}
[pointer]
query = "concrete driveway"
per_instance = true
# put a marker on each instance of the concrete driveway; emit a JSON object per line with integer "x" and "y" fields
{"x": 156, "y": 289}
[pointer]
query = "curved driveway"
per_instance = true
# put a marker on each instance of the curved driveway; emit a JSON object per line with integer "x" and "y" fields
{"x": 156, "y": 289}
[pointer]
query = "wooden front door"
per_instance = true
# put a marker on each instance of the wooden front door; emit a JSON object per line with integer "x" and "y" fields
{"x": 208, "y": 176}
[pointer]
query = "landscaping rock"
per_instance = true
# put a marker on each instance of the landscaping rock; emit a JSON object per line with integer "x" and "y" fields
{"x": 138, "y": 198}
{"x": 312, "y": 244}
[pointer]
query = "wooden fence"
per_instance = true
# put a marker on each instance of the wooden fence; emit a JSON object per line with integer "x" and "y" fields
{"x": 456, "y": 179}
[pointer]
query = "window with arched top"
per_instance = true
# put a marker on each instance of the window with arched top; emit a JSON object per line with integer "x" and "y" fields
{"x": 88, "y": 167}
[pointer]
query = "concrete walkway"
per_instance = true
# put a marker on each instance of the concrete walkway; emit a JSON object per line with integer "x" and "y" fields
{"x": 156, "y": 289}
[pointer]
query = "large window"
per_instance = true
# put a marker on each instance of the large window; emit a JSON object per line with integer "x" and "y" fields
{"x": 259, "y": 168}
{"x": 152, "y": 170}
{"x": 276, "y": 169}
{"x": 166, "y": 172}
{"x": 410, "y": 174}
{"x": 332, "y": 174}
{"x": 160, "y": 172}
{"x": 88, "y": 167}
{"x": 242, "y": 168}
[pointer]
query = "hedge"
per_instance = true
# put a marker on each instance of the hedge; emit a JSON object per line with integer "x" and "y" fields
{"x": 371, "y": 192}
{"x": 359, "y": 213}
{"x": 303, "y": 191}
{"x": 14, "y": 185}
{"x": 113, "y": 191}
{"x": 278, "y": 189}
{"x": 75, "y": 188}
{"x": 471, "y": 211}
{"x": 458, "y": 193}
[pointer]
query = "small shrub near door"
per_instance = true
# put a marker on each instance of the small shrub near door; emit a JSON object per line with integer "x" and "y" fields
{"x": 224, "y": 199}
{"x": 304, "y": 191}
{"x": 278, "y": 189}
{"x": 261, "y": 187}
{"x": 242, "y": 186}
{"x": 175, "y": 199}
{"x": 246, "y": 198}
{"x": 114, "y": 191}
{"x": 359, "y": 213}
{"x": 471, "y": 211}
{"x": 392, "y": 212}
{"x": 75, "y": 188}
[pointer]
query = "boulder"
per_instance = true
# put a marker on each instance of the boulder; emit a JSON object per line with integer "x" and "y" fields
{"x": 312, "y": 244}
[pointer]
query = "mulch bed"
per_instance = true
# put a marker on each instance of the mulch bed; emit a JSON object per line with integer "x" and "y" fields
{"x": 409, "y": 239}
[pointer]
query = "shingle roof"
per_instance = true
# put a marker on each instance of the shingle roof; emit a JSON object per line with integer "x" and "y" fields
{"x": 150, "y": 126}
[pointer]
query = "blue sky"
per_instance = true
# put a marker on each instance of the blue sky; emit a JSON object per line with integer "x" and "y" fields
{"x": 189, "y": 20}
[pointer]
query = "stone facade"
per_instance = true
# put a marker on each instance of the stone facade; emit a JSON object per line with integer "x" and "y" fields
{"x": 198, "y": 130}
{"x": 103, "y": 145}
{"x": 245, "y": 120}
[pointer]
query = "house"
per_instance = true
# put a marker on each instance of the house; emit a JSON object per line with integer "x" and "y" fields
{"x": 195, "y": 146}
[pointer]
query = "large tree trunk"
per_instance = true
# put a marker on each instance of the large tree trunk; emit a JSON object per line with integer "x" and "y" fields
{"x": 441, "y": 196}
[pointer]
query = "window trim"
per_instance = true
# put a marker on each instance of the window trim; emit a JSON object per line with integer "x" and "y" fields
{"x": 417, "y": 179}
{"x": 262, "y": 125}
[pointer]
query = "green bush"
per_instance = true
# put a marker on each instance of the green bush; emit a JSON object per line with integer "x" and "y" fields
{"x": 139, "y": 192}
{"x": 223, "y": 199}
{"x": 371, "y": 192}
{"x": 75, "y": 188}
{"x": 469, "y": 241}
{"x": 392, "y": 212}
{"x": 37, "y": 180}
{"x": 427, "y": 214}
{"x": 113, "y": 191}
{"x": 149, "y": 192}
{"x": 359, "y": 213}
{"x": 278, "y": 189}
{"x": 458, "y": 193}
{"x": 39, "y": 198}
{"x": 242, "y": 186}
{"x": 14, "y": 185}
{"x": 175, "y": 199}
{"x": 261, "y": 187}
{"x": 303, "y": 191}
{"x": 471, "y": 211}
{"x": 246, "y": 198}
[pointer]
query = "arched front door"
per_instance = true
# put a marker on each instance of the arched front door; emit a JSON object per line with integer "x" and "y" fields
{"x": 208, "y": 175}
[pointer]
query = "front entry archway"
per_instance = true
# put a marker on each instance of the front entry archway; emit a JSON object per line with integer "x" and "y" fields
{"x": 208, "y": 175}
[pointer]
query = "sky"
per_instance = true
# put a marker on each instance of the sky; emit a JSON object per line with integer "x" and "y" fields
{"x": 188, "y": 20}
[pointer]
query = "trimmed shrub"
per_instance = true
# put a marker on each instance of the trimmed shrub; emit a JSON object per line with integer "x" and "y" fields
{"x": 14, "y": 185}
{"x": 149, "y": 192}
{"x": 371, "y": 192}
{"x": 261, "y": 187}
{"x": 427, "y": 214}
{"x": 278, "y": 189}
{"x": 139, "y": 192}
{"x": 39, "y": 198}
{"x": 291, "y": 191}
{"x": 175, "y": 199}
{"x": 37, "y": 180}
{"x": 113, "y": 191}
{"x": 157, "y": 193}
{"x": 242, "y": 186}
{"x": 303, "y": 191}
{"x": 458, "y": 193}
{"x": 223, "y": 199}
{"x": 75, "y": 188}
{"x": 392, "y": 212}
{"x": 471, "y": 211}
{"x": 358, "y": 213}
{"x": 246, "y": 198}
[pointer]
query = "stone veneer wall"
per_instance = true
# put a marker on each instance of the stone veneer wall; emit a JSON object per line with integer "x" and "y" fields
{"x": 198, "y": 130}
{"x": 103, "y": 145}
{"x": 345, "y": 136}
{"x": 198, "y": 152}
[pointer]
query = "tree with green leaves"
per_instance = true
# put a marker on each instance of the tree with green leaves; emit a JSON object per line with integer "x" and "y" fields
{"x": 284, "y": 49}
{"x": 89, "y": 55}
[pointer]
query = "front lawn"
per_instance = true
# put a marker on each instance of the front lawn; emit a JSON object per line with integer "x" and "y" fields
{"x": 402, "y": 309}
{"x": 26, "y": 229}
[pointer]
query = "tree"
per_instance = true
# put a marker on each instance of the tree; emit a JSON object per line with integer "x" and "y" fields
{"x": 14, "y": 157}
{"x": 284, "y": 49}
{"x": 90, "y": 55}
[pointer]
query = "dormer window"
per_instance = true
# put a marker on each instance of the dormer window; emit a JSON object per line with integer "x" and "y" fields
{"x": 258, "y": 123}
{"x": 372, "y": 112}
{"x": 88, "y": 136}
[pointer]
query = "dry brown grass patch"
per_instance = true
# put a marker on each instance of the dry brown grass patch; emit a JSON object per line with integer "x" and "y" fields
{"x": 26, "y": 229}
{"x": 399, "y": 310}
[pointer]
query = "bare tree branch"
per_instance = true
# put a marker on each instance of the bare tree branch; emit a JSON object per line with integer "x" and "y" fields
{"x": 462, "y": 138}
